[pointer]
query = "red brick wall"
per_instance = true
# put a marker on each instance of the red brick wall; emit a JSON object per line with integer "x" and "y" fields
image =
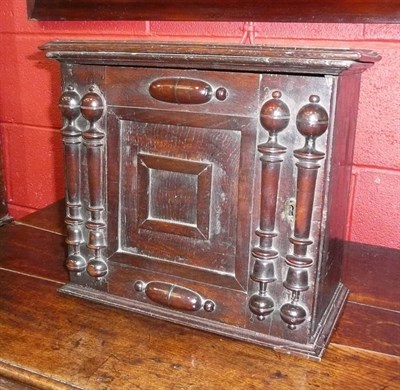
{"x": 29, "y": 120}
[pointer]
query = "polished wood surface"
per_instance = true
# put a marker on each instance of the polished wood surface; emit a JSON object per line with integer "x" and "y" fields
{"x": 52, "y": 341}
{"x": 255, "y": 58}
{"x": 345, "y": 11}
{"x": 374, "y": 299}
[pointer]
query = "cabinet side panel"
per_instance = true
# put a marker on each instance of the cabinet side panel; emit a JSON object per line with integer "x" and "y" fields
{"x": 341, "y": 157}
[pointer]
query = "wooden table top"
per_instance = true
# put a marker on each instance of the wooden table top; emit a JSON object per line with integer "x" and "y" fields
{"x": 53, "y": 341}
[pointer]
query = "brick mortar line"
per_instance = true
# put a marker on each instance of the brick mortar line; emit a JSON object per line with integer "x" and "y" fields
{"x": 373, "y": 168}
{"x": 37, "y": 127}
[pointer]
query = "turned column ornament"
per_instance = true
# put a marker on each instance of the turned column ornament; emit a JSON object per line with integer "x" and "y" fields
{"x": 311, "y": 122}
{"x": 274, "y": 118}
{"x": 69, "y": 105}
{"x": 93, "y": 108}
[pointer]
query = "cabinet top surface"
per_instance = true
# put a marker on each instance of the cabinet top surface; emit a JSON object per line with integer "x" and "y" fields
{"x": 209, "y": 56}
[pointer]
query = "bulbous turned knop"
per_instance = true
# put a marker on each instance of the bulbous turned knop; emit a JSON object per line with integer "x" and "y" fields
{"x": 261, "y": 306}
{"x": 75, "y": 263}
{"x": 69, "y": 104}
{"x": 312, "y": 119}
{"x": 92, "y": 106}
{"x": 97, "y": 268}
{"x": 293, "y": 315}
{"x": 275, "y": 114}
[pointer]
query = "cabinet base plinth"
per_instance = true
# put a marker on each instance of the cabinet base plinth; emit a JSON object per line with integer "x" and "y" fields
{"x": 313, "y": 350}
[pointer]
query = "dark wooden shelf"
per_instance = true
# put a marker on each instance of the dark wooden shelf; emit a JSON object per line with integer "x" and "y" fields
{"x": 328, "y": 11}
{"x": 79, "y": 344}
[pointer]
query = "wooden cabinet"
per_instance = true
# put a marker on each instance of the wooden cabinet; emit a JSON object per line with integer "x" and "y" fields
{"x": 207, "y": 185}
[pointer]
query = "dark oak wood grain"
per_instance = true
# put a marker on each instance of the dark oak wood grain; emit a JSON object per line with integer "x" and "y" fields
{"x": 380, "y": 329}
{"x": 379, "y": 266}
{"x": 347, "y": 11}
{"x": 32, "y": 251}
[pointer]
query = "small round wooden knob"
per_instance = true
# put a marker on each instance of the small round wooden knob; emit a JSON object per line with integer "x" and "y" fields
{"x": 209, "y": 306}
{"x": 261, "y": 306}
{"x": 293, "y": 315}
{"x": 312, "y": 119}
{"x": 97, "y": 268}
{"x": 275, "y": 114}
{"x": 92, "y": 106}
{"x": 221, "y": 93}
{"x": 75, "y": 263}
{"x": 139, "y": 286}
{"x": 69, "y": 104}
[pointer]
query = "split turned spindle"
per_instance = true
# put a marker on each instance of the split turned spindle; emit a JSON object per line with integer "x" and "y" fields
{"x": 69, "y": 105}
{"x": 93, "y": 108}
{"x": 311, "y": 122}
{"x": 274, "y": 117}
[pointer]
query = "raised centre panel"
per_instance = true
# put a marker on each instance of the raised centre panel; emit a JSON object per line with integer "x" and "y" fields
{"x": 183, "y": 189}
{"x": 174, "y": 196}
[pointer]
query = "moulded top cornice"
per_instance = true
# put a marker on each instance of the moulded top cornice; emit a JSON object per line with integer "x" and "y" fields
{"x": 258, "y": 58}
